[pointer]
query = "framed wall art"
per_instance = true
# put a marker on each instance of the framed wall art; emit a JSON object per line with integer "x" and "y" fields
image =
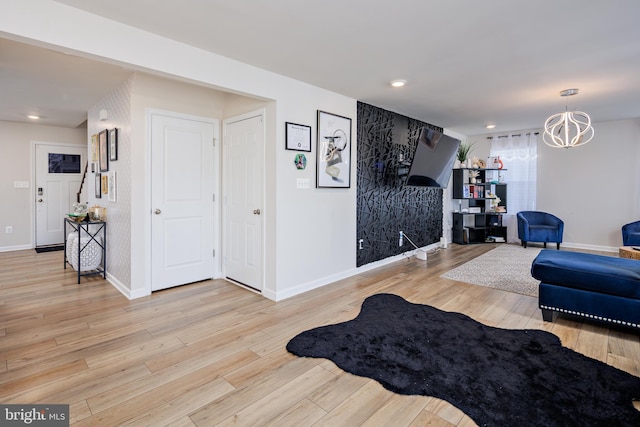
{"x": 98, "y": 186}
{"x": 113, "y": 145}
{"x": 105, "y": 183}
{"x": 298, "y": 137}
{"x": 112, "y": 185}
{"x": 334, "y": 151}
{"x": 103, "y": 149}
{"x": 94, "y": 148}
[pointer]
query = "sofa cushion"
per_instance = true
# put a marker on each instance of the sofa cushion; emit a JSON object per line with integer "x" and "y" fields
{"x": 596, "y": 273}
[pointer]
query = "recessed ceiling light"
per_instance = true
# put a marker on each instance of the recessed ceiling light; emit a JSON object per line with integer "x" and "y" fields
{"x": 398, "y": 83}
{"x": 490, "y": 126}
{"x": 33, "y": 117}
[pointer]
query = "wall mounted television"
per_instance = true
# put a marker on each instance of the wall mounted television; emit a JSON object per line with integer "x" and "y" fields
{"x": 433, "y": 159}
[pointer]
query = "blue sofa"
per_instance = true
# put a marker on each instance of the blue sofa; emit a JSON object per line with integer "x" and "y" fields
{"x": 598, "y": 287}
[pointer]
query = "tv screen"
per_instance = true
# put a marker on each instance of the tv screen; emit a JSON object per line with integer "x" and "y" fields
{"x": 433, "y": 159}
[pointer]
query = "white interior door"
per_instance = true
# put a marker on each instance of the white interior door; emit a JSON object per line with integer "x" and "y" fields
{"x": 243, "y": 163}
{"x": 182, "y": 200}
{"x": 58, "y": 174}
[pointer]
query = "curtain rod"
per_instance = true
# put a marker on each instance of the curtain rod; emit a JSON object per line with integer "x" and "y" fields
{"x": 515, "y": 134}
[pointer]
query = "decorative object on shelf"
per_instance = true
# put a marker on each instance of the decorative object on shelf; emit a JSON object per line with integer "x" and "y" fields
{"x": 80, "y": 208}
{"x": 495, "y": 201}
{"x": 475, "y": 162}
{"x": 334, "y": 151}
{"x": 463, "y": 153}
{"x": 300, "y": 161}
{"x": 77, "y": 217}
{"x": 494, "y": 162}
{"x": 298, "y": 137}
{"x": 568, "y": 129}
{"x": 97, "y": 213}
{"x": 79, "y": 213}
{"x": 90, "y": 256}
{"x": 473, "y": 176}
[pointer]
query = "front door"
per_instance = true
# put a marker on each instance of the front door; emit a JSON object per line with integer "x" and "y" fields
{"x": 243, "y": 162}
{"x": 58, "y": 174}
{"x": 182, "y": 200}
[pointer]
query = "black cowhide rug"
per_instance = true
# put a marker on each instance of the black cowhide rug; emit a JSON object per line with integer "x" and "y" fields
{"x": 498, "y": 377}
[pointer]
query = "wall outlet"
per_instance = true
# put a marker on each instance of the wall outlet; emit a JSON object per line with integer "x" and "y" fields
{"x": 401, "y": 240}
{"x": 8, "y": 229}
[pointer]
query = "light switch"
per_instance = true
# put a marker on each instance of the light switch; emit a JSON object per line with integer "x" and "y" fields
{"x": 303, "y": 184}
{"x": 21, "y": 184}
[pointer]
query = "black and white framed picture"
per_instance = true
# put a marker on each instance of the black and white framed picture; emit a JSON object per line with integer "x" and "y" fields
{"x": 334, "y": 151}
{"x": 103, "y": 149}
{"x": 298, "y": 137}
{"x": 113, "y": 144}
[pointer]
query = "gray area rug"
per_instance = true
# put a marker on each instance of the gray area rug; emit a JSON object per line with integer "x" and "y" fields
{"x": 507, "y": 267}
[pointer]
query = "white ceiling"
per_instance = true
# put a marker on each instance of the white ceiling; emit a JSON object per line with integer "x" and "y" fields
{"x": 467, "y": 62}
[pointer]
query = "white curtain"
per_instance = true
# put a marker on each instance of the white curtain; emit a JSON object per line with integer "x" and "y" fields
{"x": 518, "y": 154}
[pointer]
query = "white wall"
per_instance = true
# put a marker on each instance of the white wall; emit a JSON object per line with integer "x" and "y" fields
{"x": 118, "y": 107}
{"x": 16, "y": 164}
{"x": 310, "y": 233}
{"x": 594, "y": 188}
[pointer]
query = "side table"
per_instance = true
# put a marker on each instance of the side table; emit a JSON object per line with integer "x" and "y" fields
{"x": 629, "y": 252}
{"x": 88, "y": 233}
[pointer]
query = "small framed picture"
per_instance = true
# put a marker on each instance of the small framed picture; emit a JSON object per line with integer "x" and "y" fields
{"x": 112, "y": 185}
{"x": 298, "y": 137}
{"x": 94, "y": 148}
{"x": 105, "y": 183}
{"x": 103, "y": 149}
{"x": 113, "y": 144}
{"x": 98, "y": 185}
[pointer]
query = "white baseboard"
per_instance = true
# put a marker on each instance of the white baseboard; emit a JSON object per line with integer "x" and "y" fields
{"x": 305, "y": 287}
{"x": 15, "y": 248}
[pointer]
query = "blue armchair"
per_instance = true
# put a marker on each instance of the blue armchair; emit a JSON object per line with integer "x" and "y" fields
{"x": 534, "y": 226}
{"x": 631, "y": 234}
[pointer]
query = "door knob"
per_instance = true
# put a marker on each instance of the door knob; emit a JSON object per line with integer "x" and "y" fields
{"x": 157, "y": 212}
{"x": 256, "y": 211}
{"x": 40, "y": 200}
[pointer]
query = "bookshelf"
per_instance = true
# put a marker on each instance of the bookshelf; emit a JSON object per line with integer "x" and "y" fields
{"x": 476, "y": 217}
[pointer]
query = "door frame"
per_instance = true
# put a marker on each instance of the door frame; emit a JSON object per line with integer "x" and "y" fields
{"x": 225, "y": 190}
{"x": 32, "y": 190}
{"x": 217, "y": 173}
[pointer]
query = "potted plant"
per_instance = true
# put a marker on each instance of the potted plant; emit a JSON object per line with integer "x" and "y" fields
{"x": 463, "y": 153}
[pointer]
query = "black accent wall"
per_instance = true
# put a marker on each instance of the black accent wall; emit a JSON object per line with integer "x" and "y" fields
{"x": 385, "y": 206}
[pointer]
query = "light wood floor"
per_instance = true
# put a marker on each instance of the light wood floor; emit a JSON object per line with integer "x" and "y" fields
{"x": 212, "y": 353}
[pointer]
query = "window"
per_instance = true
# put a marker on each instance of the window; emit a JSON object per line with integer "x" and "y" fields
{"x": 64, "y": 163}
{"x": 518, "y": 154}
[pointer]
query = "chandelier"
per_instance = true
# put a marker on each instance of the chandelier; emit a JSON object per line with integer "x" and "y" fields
{"x": 568, "y": 129}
